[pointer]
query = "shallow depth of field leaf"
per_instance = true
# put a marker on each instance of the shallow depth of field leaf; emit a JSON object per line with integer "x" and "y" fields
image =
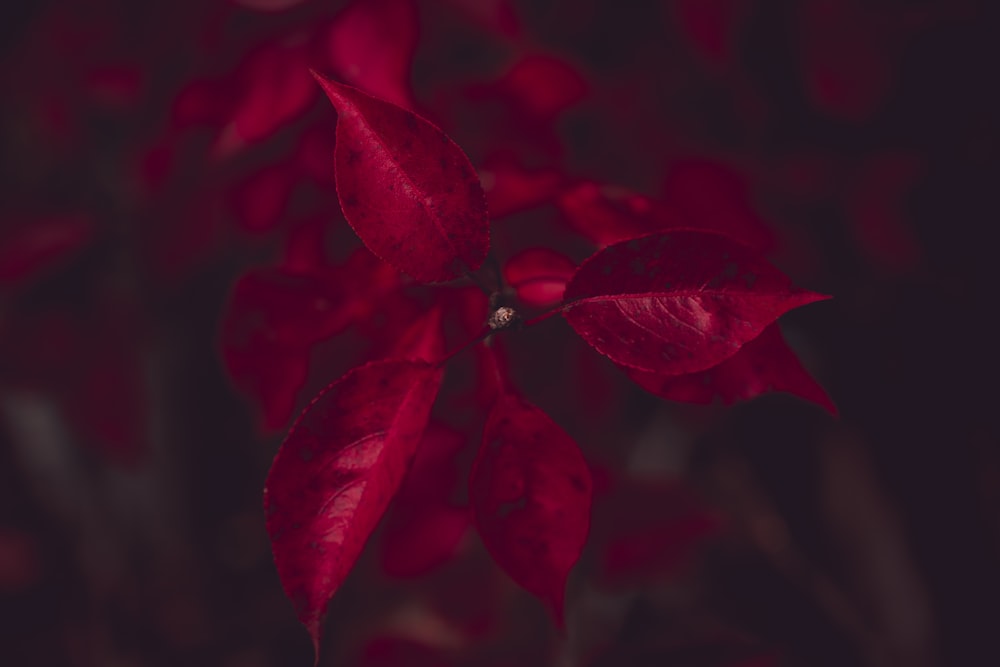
{"x": 530, "y": 490}
{"x": 607, "y": 214}
{"x": 538, "y": 276}
{"x": 713, "y": 196}
{"x": 408, "y": 191}
{"x": 336, "y": 472}
{"x": 277, "y": 89}
{"x": 370, "y": 44}
{"x": 676, "y": 302}
{"x": 424, "y": 526}
{"x": 511, "y": 187}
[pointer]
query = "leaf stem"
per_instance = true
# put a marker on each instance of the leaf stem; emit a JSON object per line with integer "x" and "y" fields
{"x": 544, "y": 316}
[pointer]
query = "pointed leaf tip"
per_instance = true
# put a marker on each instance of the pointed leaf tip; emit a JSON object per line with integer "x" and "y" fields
{"x": 406, "y": 188}
{"x": 336, "y": 472}
{"x": 677, "y": 302}
{"x": 531, "y": 492}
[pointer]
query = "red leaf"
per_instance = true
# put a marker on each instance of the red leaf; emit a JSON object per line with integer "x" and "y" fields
{"x": 407, "y": 190}
{"x": 336, "y": 472}
{"x": 539, "y": 276}
{"x": 370, "y": 44}
{"x": 424, "y": 527}
{"x": 848, "y": 54}
{"x": 277, "y": 89}
{"x": 676, "y": 302}
{"x": 763, "y": 365}
{"x": 274, "y": 315}
{"x": 511, "y": 187}
{"x": 712, "y": 27}
{"x": 608, "y": 214}
{"x": 716, "y": 197}
{"x": 542, "y": 86}
{"x": 531, "y": 490}
{"x": 203, "y": 101}
{"x": 648, "y": 528}
{"x": 423, "y": 340}
{"x": 261, "y": 199}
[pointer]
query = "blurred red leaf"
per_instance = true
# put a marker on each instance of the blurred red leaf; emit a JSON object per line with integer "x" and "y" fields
{"x": 203, "y": 101}
{"x": 713, "y": 196}
{"x": 261, "y": 199}
{"x": 423, "y": 340}
{"x": 606, "y": 214}
{"x": 763, "y": 365}
{"x": 542, "y": 86}
{"x": 539, "y": 276}
{"x": 335, "y": 473}
{"x": 370, "y": 45}
{"x": 408, "y": 191}
{"x": 275, "y": 315}
{"x": 276, "y": 89}
{"x": 423, "y": 528}
{"x": 531, "y": 491}
{"x": 676, "y": 302}
{"x": 511, "y": 187}
{"x": 712, "y": 26}
{"x": 648, "y": 528}
{"x": 849, "y": 50}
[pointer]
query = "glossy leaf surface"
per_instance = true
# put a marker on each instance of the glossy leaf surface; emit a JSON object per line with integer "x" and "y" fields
{"x": 336, "y": 472}
{"x": 763, "y": 365}
{"x": 408, "y": 191}
{"x": 531, "y": 493}
{"x": 677, "y": 302}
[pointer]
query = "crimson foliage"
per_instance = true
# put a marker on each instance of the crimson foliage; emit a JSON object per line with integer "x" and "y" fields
{"x": 661, "y": 305}
{"x": 473, "y": 244}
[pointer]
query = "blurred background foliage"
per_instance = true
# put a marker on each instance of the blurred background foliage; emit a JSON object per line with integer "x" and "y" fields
{"x": 176, "y": 281}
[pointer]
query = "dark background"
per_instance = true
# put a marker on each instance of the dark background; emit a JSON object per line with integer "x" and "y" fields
{"x": 864, "y": 134}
